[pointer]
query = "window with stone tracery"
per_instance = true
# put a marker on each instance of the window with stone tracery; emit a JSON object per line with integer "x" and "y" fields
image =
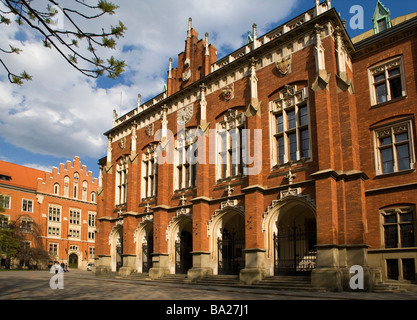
{"x": 394, "y": 151}
{"x": 290, "y": 126}
{"x": 186, "y": 159}
{"x": 387, "y": 81}
{"x": 121, "y": 181}
{"x": 231, "y": 145}
{"x": 149, "y": 172}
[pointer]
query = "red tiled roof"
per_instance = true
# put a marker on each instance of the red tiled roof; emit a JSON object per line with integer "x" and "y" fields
{"x": 21, "y": 176}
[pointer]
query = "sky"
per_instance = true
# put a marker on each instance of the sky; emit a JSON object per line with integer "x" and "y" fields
{"x": 61, "y": 113}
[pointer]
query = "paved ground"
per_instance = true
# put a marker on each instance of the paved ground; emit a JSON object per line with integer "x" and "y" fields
{"x": 167, "y": 300}
{"x": 83, "y": 285}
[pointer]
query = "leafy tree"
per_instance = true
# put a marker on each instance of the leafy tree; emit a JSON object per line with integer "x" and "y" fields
{"x": 60, "y": 29}
{"x": 9, "y": 245}
{"x": 33, "y": 257}
{"x": 14, "y": 234}
{"x": 2, "y": 203}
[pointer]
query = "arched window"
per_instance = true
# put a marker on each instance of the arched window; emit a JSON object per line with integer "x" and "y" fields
{"x": 149, "y": 172}
{"x": 84, "y": 191}
{"x": 56, "y": 188}
{"x": 93, "y": 197}
{"x": 76, "y": 178}
{"x": 121, "y": 181}
{"x": 186, "y": 159}
{"x": 66, "y": 186}
{"x": 231, "y": 146}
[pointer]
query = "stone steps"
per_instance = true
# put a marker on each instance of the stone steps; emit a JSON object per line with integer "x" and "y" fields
{"x": 287, "y": 283}
{"x": 383, "y": 287}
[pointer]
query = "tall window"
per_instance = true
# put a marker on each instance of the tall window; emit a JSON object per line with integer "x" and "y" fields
{"x": 75, "y": 190}
{"x": 92, "y": 219}
{"x": 53, "y": 249}
{"x": 66, "y": 186}
{"x": 394, "y": 148}
{"x": 56, "y": 188}
{"x": 121, "y": 182}
{"x": 290, "y": 126}
{"x": 54, "y": 214}
{"x": 84, "y": 191}
{"x": 231, "y": 146}
{"x": 27, "y": 205}
{"x": 4, "y": 221}
{"x": 388, "y": 81}
{"x": 26, "y": 224}
{"x": 4, "y": 201}
{"x": 149, "y": 172}
{"x": 186, "y": 166}
{"x": 398, "y": 227}
{"x": 75, "y": 216}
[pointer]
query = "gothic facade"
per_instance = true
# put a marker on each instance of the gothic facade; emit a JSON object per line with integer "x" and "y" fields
{"x": 56, "y": 210}
{"x": 294, "y": 154}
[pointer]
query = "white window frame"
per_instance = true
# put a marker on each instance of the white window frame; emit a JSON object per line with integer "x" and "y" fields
{"x": 290, "y": 99}
{"x": 122, "y": 171}
{"x": 8, "y": 201}
{"x": 74, "y": 216}
{"x": 384, "y": 68}
{"x": 53, "y": 249}
{"x": 5, "y": 221}
{"x": 185, "y": 146}
{"x": 28, "y": 208}
{"x": 230, "y": 130}
{"x": 391, "y": 129}
{"x": 149, "y": 172}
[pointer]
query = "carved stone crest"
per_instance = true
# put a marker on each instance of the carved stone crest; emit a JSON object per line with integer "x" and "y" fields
{"x": 149, "y": 130}
{"x": 284, "y": 65}
{"x": 228, "y": 92}
{"x": 122, "y": 143}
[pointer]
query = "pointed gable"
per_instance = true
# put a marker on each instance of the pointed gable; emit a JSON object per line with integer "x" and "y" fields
{"x": 381, "y": 19}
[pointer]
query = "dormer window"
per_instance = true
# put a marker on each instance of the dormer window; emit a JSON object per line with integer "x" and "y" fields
{"x": 381, "y": 18}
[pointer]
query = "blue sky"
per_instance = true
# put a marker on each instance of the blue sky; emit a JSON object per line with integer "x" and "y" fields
{"x": 61, "y": 114}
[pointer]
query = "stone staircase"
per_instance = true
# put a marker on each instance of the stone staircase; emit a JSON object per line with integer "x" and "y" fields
{"x": 276, "y": 283}
{"x": 287, "y": 283}
{"x": 384, "y": 287}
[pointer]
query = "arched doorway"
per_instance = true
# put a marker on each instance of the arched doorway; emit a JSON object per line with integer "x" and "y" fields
{"x": 183, "y": 256}
{"x": 143, "y": 237}
{"x": 180, "y": 243}
{"x": 294, "y": 240}
{"x": 231, "y": 244}
{"x": 289, "y": 227}
{"x": 73, "y": 261}
{"x": 116, "y": 247}
{"x": 147, "y": 250}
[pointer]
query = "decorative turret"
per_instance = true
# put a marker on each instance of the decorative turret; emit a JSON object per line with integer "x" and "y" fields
{"x": 193, "y": 64}
{"x": 381, "y": 19}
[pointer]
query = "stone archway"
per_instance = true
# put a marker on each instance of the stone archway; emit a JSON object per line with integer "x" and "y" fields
{"x": 290, "y": 236}
{"x": 143, "y": 237}
{"x": 226, "y": 232}
{"x": 116, "y": 247}
{"x": 73, "y": 260}
{"x": 179, "y": 238}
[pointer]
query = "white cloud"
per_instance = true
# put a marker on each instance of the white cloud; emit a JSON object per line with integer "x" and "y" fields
{"x": 62, "y": 113}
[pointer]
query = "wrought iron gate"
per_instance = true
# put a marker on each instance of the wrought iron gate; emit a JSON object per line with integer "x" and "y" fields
{"x": 147, "y": 250}
{"x": 183, "y": 257}
{"x": 119, "y": 259}
{"x": 294, "y": 251}
{"x": 230, "y": 253}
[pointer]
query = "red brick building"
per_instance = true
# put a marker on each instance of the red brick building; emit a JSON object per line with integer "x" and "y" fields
{"x": 60, "y": 204}
{"x": 294, "y": 154}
